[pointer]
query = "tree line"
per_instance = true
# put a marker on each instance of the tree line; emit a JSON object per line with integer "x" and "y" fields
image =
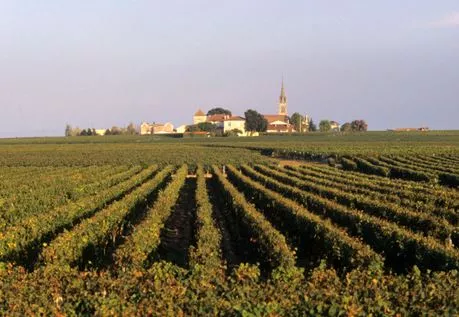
{"x": 254, "y": 122}
{"x": 76, "y": 131}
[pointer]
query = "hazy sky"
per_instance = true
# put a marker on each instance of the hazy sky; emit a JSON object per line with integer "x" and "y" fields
{"x": 98, "y": 63}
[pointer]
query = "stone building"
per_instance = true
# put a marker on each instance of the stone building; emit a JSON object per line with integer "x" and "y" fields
{"x": 156, "y": 128}
{"x": 279, "y": 123}
{"x": 199, "y": 117}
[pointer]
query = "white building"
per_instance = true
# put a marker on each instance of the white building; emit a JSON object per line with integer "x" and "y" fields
{"x": 156, "y": 128}
{"x": 181, "y": 129}
{"x": 199, "y": 117}
{"x": 234, "y": 123}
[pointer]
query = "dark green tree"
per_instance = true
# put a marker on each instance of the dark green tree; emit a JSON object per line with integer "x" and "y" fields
{"x": 116, "y": 130}
{"x": 233, "y": 132}
{"x": 68, "y": 130}
{"x": 312, "y": 126}
{"x": 192, "y": 128}
{"x": 346, "y": 127}
{"x": 255, "y": 121}
{"x": 297, "y": 121}
{"x": 359, "y": 125}
{"x": 207, "y": 127}
{"x": 324, "y": 126}
{"x": 218, "y": 110}
{"x": 131, "y": 129}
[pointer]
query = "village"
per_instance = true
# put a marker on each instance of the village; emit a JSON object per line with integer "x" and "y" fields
{"x": 222, "y": 122}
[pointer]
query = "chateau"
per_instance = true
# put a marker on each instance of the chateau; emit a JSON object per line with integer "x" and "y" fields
{"x": 277, "y": 123}
{"x": 224, "y": 122}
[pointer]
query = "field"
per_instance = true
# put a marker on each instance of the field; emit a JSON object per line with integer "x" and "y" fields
{"x": 321, "y": 224}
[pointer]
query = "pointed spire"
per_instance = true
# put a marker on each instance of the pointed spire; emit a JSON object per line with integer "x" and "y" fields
{"x": 282, "y": 87}
{"x": 282, "y": 99}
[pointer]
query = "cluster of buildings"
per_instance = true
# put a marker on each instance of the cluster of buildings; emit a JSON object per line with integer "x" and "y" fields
{"x": 277, "y": 123}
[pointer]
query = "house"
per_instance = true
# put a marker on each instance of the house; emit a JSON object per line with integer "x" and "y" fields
{"x": 100, "y": 131}
{"x": 181, "y": 129}
{"x": 218, "y": 119}
{"x": 278, "y": 124}
{"x": 160, "y": 128}
{"x": 156, "y": 128}
{"x": 145, "y": 128}
{"x": 410, "y": 129}
{"x": 199, "y": 117}
{"x": 334, "y": 126}
{"x": 234, "y": 123}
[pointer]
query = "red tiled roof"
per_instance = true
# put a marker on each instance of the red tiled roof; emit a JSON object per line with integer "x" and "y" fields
{"x": 275, "y": 117}
{"x": 235, "y": 118}
{"x": 217, "y": 117}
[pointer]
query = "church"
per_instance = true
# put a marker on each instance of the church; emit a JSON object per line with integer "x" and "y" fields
{"x": 279, "y": 123}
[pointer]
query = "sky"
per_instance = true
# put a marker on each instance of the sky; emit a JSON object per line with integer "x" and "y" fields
{"x": 99, "y": 63}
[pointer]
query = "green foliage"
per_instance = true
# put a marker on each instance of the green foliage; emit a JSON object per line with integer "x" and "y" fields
{"x": 255, "y": 121}
{"x": 218, "y": 110}
{"x": 270, "y": 239}
{"x": 359, "y": 125}
{"x": 31, "y": 232}
{"x": 207, "y": 127}
{"x": 202, "y": 127}
{"x": 143, "y": 242}
{"x": 233, "y": 132}
{"x": 324, "y": 126}
{"x": 339, "y": 249}
{"x": 346, "y": 127}
{"x": 348, "y": 164}
{"x": 449, "y": 179}
{"x": 297, "y": 120}
{"x": 407, "y": 173}
{"x": 368, "y": 168}
{"x": 91, "y": 235}
{"x": 400, "y": 245}
{"x": 80, "y": 222}
{"x": 206, "y": 258}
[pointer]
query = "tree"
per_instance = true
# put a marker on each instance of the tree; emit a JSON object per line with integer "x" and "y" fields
{"x": 346, "y": 127}
{"x": 297, "y": 121}
{"x": 312, "y": 126}
{"x": 192, "y": 128}
{"x": 359, "y": 125}
{"x": 108, "y": 132}
{"x": 207, "y": 127}
{"x": 233, "y": 132}
{"x": 255, "y": 121}
{"x": 218, "y": 110}
{"x": 324, "y": 126}
{"x": 131, "y": 129}
{"x": 68, "y": 130}
{"x": 115, "y": 130}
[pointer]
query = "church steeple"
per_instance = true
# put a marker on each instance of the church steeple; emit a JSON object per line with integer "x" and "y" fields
{"x": 282, "y": 100}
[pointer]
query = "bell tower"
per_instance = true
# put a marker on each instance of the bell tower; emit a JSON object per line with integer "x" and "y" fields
{"x": 282, "y": 101}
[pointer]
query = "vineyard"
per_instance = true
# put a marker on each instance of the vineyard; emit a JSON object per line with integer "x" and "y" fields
{"x": 229, "y": 228}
